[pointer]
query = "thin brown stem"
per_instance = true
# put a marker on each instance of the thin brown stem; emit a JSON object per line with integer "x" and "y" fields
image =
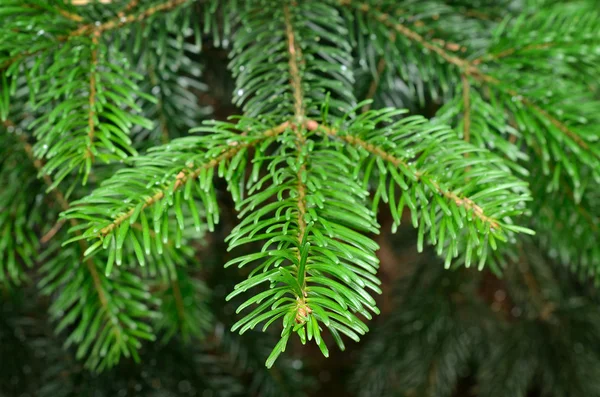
{"x": 510, "y": 51}
{"x": 130, "y": 6}
{"x": 374, "y": 84}
{"x": 295, "y": 56}
{"x": 466, "y": 95}
{"x": 92, "y": 94}
{"x": 52, "y": 232}
{"x": 295, "y": 79}
{"x": 71, "y": 16}
{"x": 184, "y": 175}
{"x": 178, "y": 299}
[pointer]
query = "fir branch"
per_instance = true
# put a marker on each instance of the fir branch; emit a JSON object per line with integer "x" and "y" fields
{"x": 468, "y": 67}
{"x": 93, "y": 28}
{"x": 387, "y": 20}
{"x": 60, "y": 198}
{"x": 183, "y": 176}
{"x": 418, "y": 175}
{"x": 112, "y": 318}
{"x": 64, "y": 204}
{"x": 121, "y": 21}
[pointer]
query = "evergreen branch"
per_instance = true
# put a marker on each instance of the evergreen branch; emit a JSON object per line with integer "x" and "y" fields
{"x": 465, "y": 202}
{"x": 182, "y": 177}
{"x": 92, "y": 28}
{"x": 64, "y": 205}
{"x": 471, "y": 69}
{"x": 121, "y": 21}
{"x": 387, "y": 20}
{"x": 113, "y": 313}
{"x": 436, "y": 180}
{"x": 265, "y": 89}
{"x": 317, "y": 261}
{"x": 97, "y": 121}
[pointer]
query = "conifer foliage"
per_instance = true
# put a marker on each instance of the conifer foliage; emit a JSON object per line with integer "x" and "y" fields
{"x": 113, "y": 172}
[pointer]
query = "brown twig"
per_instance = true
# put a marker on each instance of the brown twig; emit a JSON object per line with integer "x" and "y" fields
{"x": 92, "y": 94}
{"x": 466, "y": 95}
{"x": 374, "y": 85}
{"x": 510, "y": 51}
{"x": 52, "y": 232}
{"x": 178, "y": 299}
{"x": 71, "y": 16}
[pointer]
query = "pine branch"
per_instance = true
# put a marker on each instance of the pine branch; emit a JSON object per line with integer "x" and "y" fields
{"x": 436, "y": 180}
{"x": 472, "y": 69}
{"x": 124, "y": 336}
{"x": 182, "y": 177}
{"x": 98, "y": 122}
{"x": 64, "y": 204}
{"x": 467, "y": 66}
{"x": 121, "y": 21}
{"x": 92, "y": 28}
{"x": 418, "y": 175}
